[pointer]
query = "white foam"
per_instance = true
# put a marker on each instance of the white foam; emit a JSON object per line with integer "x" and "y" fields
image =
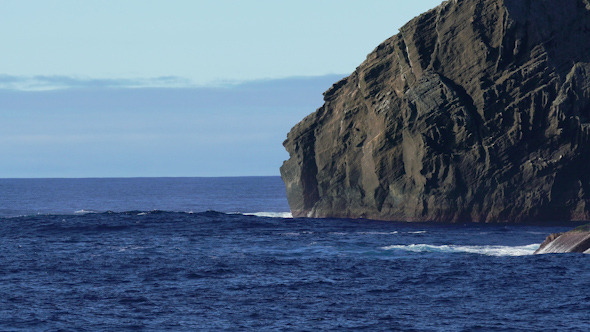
{"x": 285, "y": 215}
{"x": 131, "y": 248}
{"x": 482, "y": 250}
{"x": 377, "y": 233}
{"x": 417, "y": 232}
{"x": 84, "y": 211}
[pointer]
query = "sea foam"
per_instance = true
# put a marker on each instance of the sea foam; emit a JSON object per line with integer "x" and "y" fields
{"x": 482, "y": 250}
{"x": 285, "y": 215}
{"x": 85, "y": 211}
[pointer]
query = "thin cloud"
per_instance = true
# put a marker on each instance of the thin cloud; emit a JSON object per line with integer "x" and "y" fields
{"x": 58, "y": 82}
{"x": 110, "y": 127}
{"x": 265, "y": 96}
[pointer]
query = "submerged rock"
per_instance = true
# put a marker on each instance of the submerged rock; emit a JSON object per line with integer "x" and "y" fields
{"x": 476, "y": 111}
{"x": 577, "y": 240}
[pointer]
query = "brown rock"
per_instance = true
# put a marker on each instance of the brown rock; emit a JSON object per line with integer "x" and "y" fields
{"x": 577, "y": 240}
{"x": 478, "y": 110}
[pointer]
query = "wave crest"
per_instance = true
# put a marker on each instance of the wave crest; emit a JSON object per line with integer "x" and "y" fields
{"x": 481, "y": 250}
{"x": 284, "y": 215}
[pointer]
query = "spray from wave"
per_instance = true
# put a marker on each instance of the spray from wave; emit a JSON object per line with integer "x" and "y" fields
{"x": 482, "y": 250}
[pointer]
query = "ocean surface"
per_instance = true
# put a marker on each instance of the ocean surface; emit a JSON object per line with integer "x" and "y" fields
{"x": 178, "y": 254}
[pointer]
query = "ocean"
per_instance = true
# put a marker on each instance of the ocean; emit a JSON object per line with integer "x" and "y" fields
{"x": 184, "y": 254}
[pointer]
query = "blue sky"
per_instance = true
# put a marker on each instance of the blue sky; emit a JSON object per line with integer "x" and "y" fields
{"x": 172, "y": 88}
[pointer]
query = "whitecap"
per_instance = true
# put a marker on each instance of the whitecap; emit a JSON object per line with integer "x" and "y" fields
{"x": 377, "y": 233}
{"x": 284, "y": 215}
{"x": 482, "y": 250}
{"x": 84, "y": 211}
{"x": 338, "y": 233}
{"x": 131, "y": 248}
{"x": 417, "y": 232}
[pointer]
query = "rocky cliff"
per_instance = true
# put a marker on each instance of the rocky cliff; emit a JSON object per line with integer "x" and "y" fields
{"x": 577, "y": 240}
{"x": 478, "y": 110}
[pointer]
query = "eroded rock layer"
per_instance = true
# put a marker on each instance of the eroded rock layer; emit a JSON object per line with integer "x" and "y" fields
{"x": 478, "y": 110}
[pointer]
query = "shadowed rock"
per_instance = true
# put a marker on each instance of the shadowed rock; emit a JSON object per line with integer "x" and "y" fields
{"x": 477, "y": 111}
{"x": 577, "y": 240}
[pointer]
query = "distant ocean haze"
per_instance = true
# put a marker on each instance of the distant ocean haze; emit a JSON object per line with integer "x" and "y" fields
{"x": 104, "y": 132}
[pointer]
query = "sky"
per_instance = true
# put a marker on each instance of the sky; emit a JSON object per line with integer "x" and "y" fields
{"x": 173, "y": 88}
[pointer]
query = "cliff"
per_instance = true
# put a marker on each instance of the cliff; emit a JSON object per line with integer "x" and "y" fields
{"x": 577, "y": 240}
{"x": 476, "y": 111}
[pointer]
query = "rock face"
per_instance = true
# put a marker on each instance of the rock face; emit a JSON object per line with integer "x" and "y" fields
{"x": 577, "y": 240}
{"x": 477, "y": 111}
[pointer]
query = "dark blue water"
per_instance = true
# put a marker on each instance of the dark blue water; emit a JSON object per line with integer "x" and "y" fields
{"x": 156, "y": 270}
{"x": 67, "y": 196}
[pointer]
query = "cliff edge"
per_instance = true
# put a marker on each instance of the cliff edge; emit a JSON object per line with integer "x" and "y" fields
{"x": 476, "y": 111}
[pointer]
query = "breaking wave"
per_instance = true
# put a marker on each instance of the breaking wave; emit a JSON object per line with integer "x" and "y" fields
{"x": 83, "y": 211}
{"x": 285, "y": 215}
{"x": 482, "y": 250}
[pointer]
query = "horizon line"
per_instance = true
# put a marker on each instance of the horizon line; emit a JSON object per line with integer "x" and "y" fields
{"x": 136, "y": 177}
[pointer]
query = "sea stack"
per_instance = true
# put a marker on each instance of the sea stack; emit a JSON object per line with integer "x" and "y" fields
{"x": 476, "y": 111}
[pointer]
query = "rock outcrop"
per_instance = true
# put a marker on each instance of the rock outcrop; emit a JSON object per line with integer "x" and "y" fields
{"x": 577, "y": 240}
{"x": 476, "y": 111}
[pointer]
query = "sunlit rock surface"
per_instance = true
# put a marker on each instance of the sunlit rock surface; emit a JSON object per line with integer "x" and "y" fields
{"x": 577, "y": 240}
{"x": 476, "y": 111}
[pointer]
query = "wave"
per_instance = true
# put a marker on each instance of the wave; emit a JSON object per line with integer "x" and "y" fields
{"x": 81, "y": 212}
{"x": 378, "y": 233}
{"x": 284, "y": 215}
{"x": 85, "y": 211}
{"x": 481, "y": 250}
